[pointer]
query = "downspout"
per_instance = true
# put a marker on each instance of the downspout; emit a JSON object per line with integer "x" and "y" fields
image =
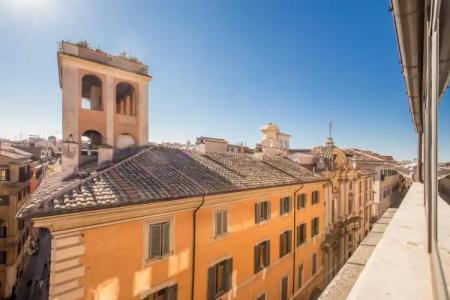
{"x": 294, "y": 234}
{"x": 194, "y": 237}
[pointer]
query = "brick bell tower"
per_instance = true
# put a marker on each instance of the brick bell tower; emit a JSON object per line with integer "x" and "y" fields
{"x": 105, "y": 104}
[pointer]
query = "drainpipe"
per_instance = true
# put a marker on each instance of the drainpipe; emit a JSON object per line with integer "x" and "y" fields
{"x": 194, "y": 237}
{"x": 293, "y": 234}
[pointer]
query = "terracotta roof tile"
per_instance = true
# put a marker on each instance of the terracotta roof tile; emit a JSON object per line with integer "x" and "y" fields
{"x": 161, "y": 173}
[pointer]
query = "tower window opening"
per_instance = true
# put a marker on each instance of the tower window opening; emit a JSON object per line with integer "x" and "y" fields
{"x": 126, "y": 99}
{"x": 91, "y": 93}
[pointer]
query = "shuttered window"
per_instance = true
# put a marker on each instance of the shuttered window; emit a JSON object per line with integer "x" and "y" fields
{"x": 314, "y": 226}
{"x": 284, "y": 288}
{"x": 315, "y": 197}
{"x": 285, "y": 205}
{"x": 3, "y": 257}
{"x": 219, "y": 279}
{"x": 221, "y": 222}
{"x": 3, "y": 231}
{"x": 262, "y": 211}
{"x": 262, "y": 297}
{"x": 301, "y": 201}
{"x": 301, "y": 234}
{"x": 4, "y": 199}
{"x": 314, "y": 264}
{"x": 285, "y": 243}
{"x": 159, "y": 240}
{"x": 4, "y": 175}
{"x": 262, "y": 256}
{"x": 168, "y": 293}
{"x": 300, "y": 276}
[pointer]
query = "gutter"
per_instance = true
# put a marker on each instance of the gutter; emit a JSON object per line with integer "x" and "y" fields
{"x": 293, "y": 231}
{"x": 194, "y": 238}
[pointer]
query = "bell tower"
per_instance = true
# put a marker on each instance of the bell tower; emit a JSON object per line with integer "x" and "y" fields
{"x": 105, "y": 104}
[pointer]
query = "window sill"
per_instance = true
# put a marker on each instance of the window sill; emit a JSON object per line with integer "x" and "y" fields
{"x": 153, "y": 260}
{"x": 221, "y": 236}
{"x": 261, "y": 223}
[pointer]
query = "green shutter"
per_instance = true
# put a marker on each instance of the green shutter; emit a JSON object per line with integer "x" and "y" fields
{"x": 269, "y": 209}
{"x": 172, "y": 292}
{"x": 211, "y": 283}
{"x": 165, "y": 238}
{"x": 281, "y": 206}
{"x": 256, "y": 213}
{"x": 256, "y": 260}
{"x": 155, "y": 241}
{"x": 224, "y": 221}
{"x": 289, "y": 241}
{"x": 228, "y": 274}
{"x": 267, "y": 254}
{"x": 281, "y": 245}
{"x": 218, "y": 222}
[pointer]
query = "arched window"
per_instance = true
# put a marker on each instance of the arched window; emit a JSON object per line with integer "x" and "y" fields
{"x": 90, "y": 140}
{"x": 125, "y": 99}
{"x": 91, "y": 93}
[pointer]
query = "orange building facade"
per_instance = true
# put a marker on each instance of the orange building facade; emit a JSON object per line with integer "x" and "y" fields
{"x": 105, "y": 254}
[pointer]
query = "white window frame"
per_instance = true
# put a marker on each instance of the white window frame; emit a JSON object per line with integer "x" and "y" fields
{"x": 222, "y": 235}
{"x": 147, "y": 223}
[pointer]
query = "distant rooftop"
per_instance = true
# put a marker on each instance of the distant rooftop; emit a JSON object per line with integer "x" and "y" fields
{"x": 123, "y": 61}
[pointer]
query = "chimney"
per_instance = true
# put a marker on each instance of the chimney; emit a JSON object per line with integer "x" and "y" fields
{"x": 70, "y": 158}
{"x": 105, "y": 155}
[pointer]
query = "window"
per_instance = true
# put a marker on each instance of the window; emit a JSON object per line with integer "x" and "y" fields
{"x": 4, "y": 199}
{"x": 262, "y": 211}
{"x": 4, "y": 175}
{"x": 284, "y": 288}
{"x": 301, "y": 201}
{"x": 314, "y": 226}
{"x": 350, "y": 185}
{"x": 3, "y": 231}
{"x": 300, "y": 276}
{"x": 285, "y": 205}
{"x": 314, "y": 264}
{"x": 19, "y": 196}
{"x": 350, "y": 205}
{"x": 315, "y": 197}
{"x": 168, "y": 293}
{"x": 261, "y": 297}
{"x": 301, "y": 234}
{"x": 3, "y": 257}
{"x": 262, "y": 256}
{"x": 285, "y": 243}
{"x": 20, "y": 224}
{"x": 159, "y": 240}
{"x": 221, "y": 222}
{"x": 219, "y": 278}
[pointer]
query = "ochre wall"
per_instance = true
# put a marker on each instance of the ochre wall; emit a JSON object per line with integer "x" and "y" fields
{"x": 114, "y": 256}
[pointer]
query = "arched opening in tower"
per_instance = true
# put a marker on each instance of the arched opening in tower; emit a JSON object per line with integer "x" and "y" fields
{"x": 126, "y": 99}
{"x": 91, "y": 93}
{"x": 90, "y": 142}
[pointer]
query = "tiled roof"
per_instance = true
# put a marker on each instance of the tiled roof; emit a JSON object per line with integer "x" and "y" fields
{"x": 13, "y": 152}
{"x": 361, "y": 155}
{"x": 161, "y": 173}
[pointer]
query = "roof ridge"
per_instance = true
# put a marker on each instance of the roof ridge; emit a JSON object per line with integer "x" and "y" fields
{"x": 364, "y": 153}
{"x": 222, "y": 165}
{"x": 279, "y": 169}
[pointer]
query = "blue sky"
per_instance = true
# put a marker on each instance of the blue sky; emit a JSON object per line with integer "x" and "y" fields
{"x": 224, "y": 68}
